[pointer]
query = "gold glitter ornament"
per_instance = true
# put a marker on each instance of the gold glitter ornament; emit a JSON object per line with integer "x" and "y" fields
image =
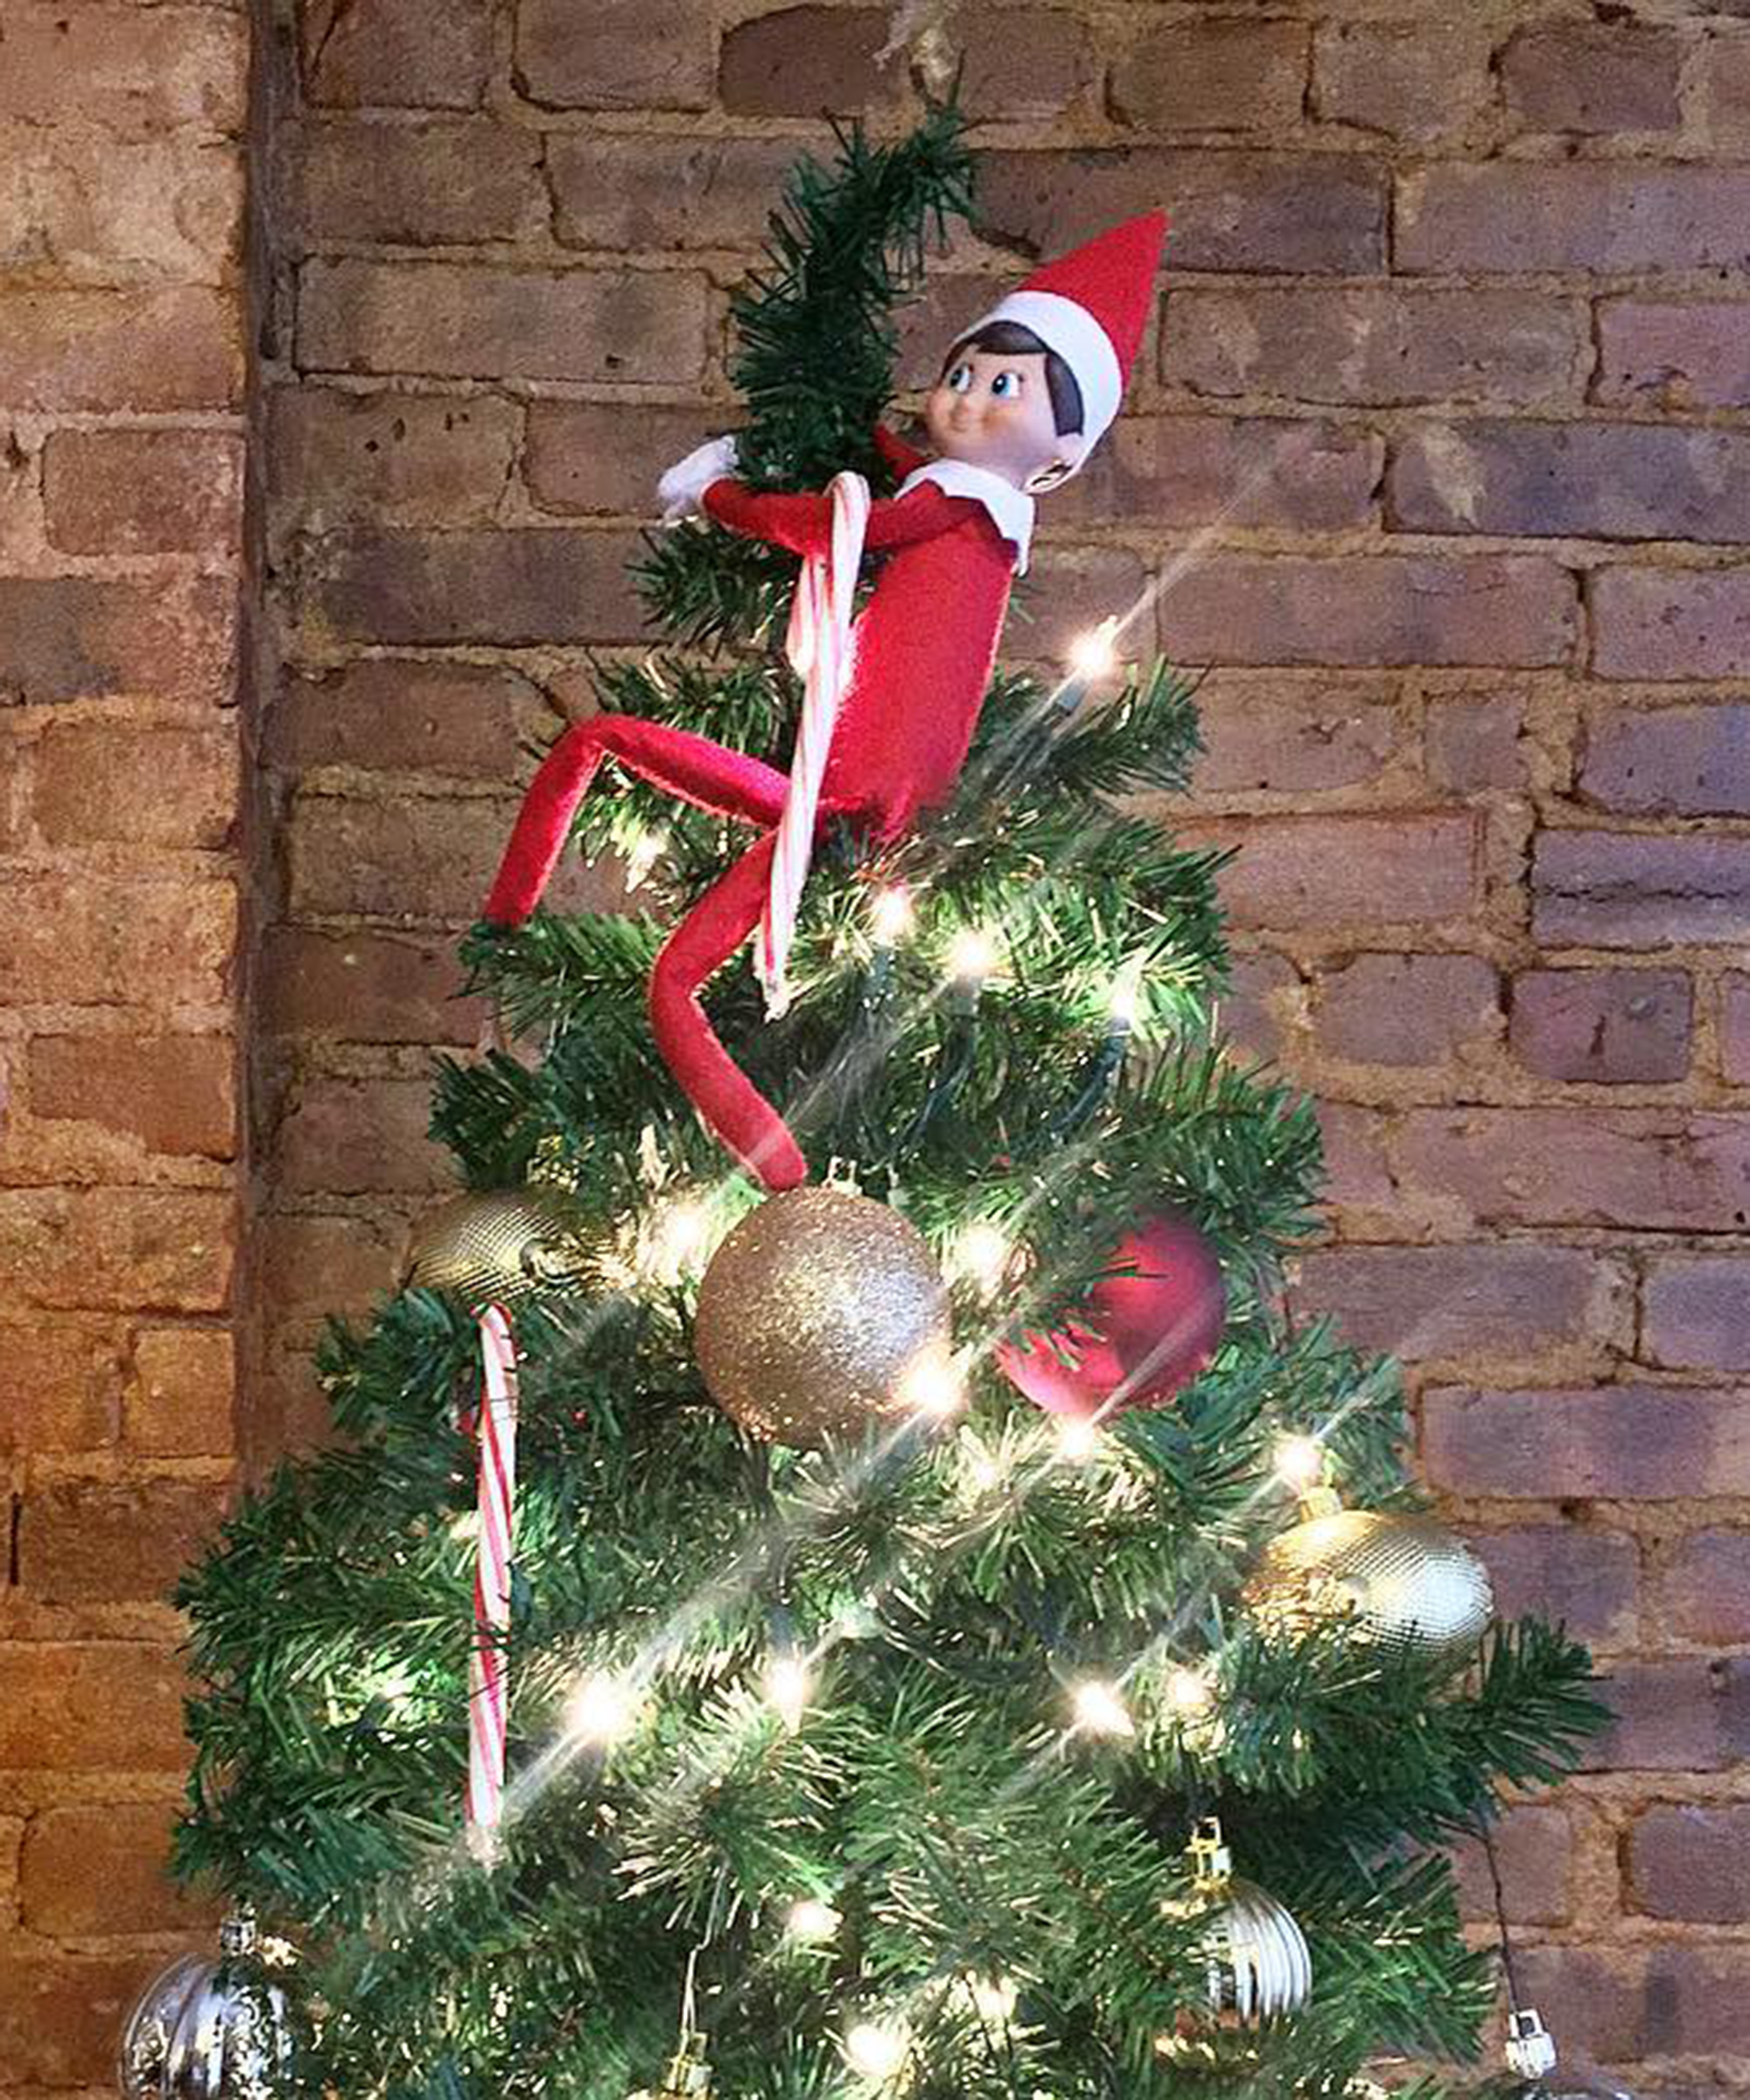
{"x": 499, "y": 1246}
{"x": 1399, "y": 1582}
{"x": 820, "y": 1313}
{"x": 688, "y": 2077}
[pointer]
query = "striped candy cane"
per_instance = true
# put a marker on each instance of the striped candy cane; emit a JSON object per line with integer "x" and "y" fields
{"x": 819, "y": 646}
{"x": 495, "y": 1428}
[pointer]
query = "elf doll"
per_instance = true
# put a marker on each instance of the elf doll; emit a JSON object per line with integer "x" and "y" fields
{"x": 891, "y": 698}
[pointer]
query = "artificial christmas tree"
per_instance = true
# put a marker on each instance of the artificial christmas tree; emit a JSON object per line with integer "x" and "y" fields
{"x": 859, "y": 1735}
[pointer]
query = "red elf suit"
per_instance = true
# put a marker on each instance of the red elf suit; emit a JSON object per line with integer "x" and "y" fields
{"x": 918, "y": 661}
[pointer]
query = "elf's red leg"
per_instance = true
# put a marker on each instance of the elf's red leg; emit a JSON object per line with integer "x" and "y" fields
{"x": 715, "y": 1085}
{"x": 688, "y": 766}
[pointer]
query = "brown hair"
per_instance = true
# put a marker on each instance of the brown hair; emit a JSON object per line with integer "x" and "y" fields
{"x": 1066, "y": 413}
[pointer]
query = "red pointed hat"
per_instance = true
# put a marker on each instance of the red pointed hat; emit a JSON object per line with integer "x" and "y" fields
{"x": 1091, "y": 306}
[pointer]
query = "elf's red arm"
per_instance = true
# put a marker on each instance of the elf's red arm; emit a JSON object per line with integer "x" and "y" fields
{"x": 804, "y": 523}
{"x": 903, "y": 459}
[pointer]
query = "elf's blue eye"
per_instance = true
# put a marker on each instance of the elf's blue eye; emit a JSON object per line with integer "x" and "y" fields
{"x": 959, "y": 380}
{"x": 1004, "y": 384}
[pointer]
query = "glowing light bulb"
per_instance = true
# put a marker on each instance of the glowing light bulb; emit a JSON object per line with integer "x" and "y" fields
{"x": 933, "y": 1387}
{"x": 983, "y": 1253}
{"x": 788, "y": 1685}
{"x": 1094, "y": 654}
{"x": 1077, "y": 1439}
{"x": 642, "y": 855}
{"x": 1299, "y": 1462}
{"x": 1099, "y": 1710}
{"x": 983, "y": 1468}
{"x": 994, "y": 1999}
{"x": 600, "y": 1711}
{"x": 973, "y": 956}
{"x": 1188, "y": 1692}
{"x": 466, "y": 1527}
{"x": 811, "y": 1922}
{"x": 876, "y": 2050}
{"x": 682, "y": 1231}
{"x": 890, "y": 914}
{"x": 1121, "y": 1006}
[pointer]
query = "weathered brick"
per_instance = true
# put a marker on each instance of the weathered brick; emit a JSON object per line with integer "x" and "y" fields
{"x": 1688, "y": 1861}
{"x": 417, "y": 858}
{"x": 407, "y": 716}
{"x": 449, "y": 181}
{"x": 1695, "y": 1313}
{"x": 1734, "y": 1027}
{"x": 1284, "y": 472}
{"x": 1672, "y": 354}
{"x": 466, "y": 321}
{"x": 1224, "y": 75}
{"x": 1360, "y": 870}
{"x": 1356, "y": 1176}
{"x": 1619, "y": 2004}
{"x": 1376, "y": 343}
{"x": 1678, "y": 1714}
{"x": 387, "y": 459}
{"x": 183, "y": 783}
{"x": 1688, "y": 761}
{"x": 1405, "y": 1008}
{"x": 1533, "y": 1850}
{"x": 1703, "y": 1590}
{"x": 1611, "y": 1027}
{"x": 614, "y": 54}
{"x": 117, "y": 1249}
{"x": 88, "y": 1543}
{"x": 315, "y": 1265}
{"x": 602, "y": 458}
{"x": 143, "y": 492}
{"x": 365, "y": 987}
{"x": 58, "y": 1387}
{"x": 809, "y": 62}
{"x": 1290, "y": 733}
{"x": 75, "y": 637}
{"x": 1638, "y": 889}
{"x": 91, "y": 1871}
{"x": 1593, "y": 77}
{"x": 1617, "y": 481}
{"x": 1069, "y": 590}
{"x": 176, "y": 347}
{"x": 1246, "y": 1017}
{"x": 1475, "y": 740}
{"x": 131, "y": 69}
{"x": 1512, "y": 1302}
{"x": 1719, "y": 73}
{"x": 89, "y": 1706}
{"x": 60, "y": 2014}
{"x": 1587, "y": 1581}
{"x": 178, "y": 1400}
{"x": 110, "y": 941}
{"x": 174, "y": 1093}
{"x": 397, "y": 54}
{"x": 518, "y": 586}
{"x": 1668, "y": 1169}
{"x": 349, "y": 1136}
{"x": 1366, "y": 609}
{"x": 1582, "y": 215}
{"x": 1419, "y": 80}
{"x": 91, "y": 207}
{"x": 665, "y": 192}
{"x": 1648, "y": 1442}
{"x": 1022, "y": 63}
{"x": 1309, "y": 214}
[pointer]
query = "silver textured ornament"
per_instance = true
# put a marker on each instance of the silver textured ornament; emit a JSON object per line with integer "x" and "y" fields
{"x": 499, "y": 1246}
{"x": 820, "y": 1313}
{"x": 203, "y": 2030}
{"x": 1259, "y": 1964}
{"x": 1401, "y": 1582}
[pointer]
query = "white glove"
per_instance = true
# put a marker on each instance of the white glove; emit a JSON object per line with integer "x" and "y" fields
{"x": 683, "y": 484}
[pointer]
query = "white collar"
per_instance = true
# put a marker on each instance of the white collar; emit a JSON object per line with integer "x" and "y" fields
{"x": 1011, "y": 508}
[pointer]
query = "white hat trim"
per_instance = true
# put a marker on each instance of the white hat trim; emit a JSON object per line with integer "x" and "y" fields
{"x": 1067, "y": 327}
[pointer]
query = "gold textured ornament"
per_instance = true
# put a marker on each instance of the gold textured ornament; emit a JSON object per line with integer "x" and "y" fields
{"x": 688, "y": 2077}
{"x": 498, "y": 1246}
{"x": 820, "y": 1313}
{"x": 1400, "y": 1582}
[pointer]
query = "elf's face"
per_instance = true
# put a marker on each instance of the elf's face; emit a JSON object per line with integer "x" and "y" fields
{"x": 992, "y": 409}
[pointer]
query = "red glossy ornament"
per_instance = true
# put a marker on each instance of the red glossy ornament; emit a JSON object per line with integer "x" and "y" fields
{"x": 1146, "y": 1335}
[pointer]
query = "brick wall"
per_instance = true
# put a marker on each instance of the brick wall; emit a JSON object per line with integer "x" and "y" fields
{"x": 1440, "y": 460}
{"x": 122, "y": 358}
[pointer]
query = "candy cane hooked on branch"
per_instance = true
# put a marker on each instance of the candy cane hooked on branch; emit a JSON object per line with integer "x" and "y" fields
{"x": 819, "y": 645}
{"x": 495, "y": 1430}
